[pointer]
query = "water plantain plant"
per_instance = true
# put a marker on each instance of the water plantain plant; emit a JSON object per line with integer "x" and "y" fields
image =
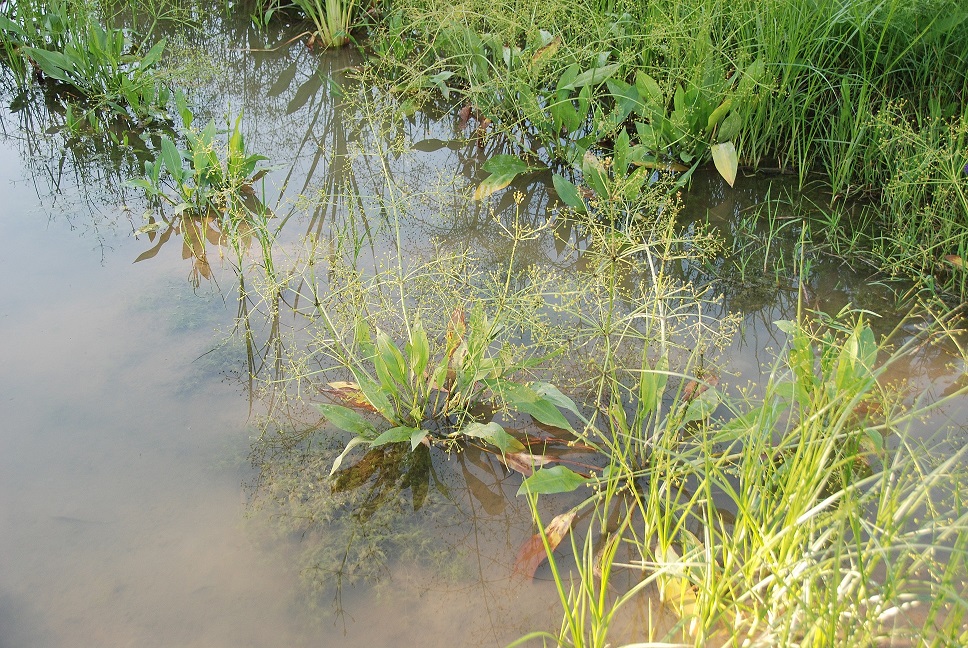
{"x": 98, "y": 68}
{"x": 206, "y": 174}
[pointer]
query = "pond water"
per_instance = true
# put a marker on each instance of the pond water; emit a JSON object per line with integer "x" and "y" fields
{"x": 140, "y": 502}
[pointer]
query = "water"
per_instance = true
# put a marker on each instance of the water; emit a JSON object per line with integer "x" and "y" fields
{"x": 139, "y": 505}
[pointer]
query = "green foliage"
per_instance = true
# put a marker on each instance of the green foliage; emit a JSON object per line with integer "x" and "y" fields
{"x": 207, "y": 175}
{"x": 55, "y": 43}
{"x": 784, "y": 84}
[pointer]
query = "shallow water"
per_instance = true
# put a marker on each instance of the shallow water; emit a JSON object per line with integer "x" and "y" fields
{"x": 130, "y": 511}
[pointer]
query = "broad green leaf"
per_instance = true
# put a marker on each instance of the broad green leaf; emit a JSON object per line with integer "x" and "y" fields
{"x": 753, "y": 76}
{"x": 172, "y": 159}
{"x": 875, "y": 438}
{"x": 557, "y": 479}
{"x": 550, "y": 392}
{"x": 389, "y": 357}
{"x": 718, "y": 114}
{"x": 649, "y": 91}
{"x": 596, "y": 175}
{"x": 568, "y": 193}
{"x": 8, "y": 25}
{"x": 729, "y": 129}
{"x": 346, "y": 419}
{"x": 417, "y": 438}
{"x": 53, "y": 64}
{"x": 726, "y": 161}
{"x": 154, "y": 54}
{"x": 652, "y": 383}
{"x": 568, "y": 77}
{"x": 702, "y": 406}
{"x": 494, "y": 434}
{"x": 506, "y": 164}
{"x": 592, "y": 77}
{"x": 362, "y": 338}
{"x": 564, "y": 115}
{"x": 418, "y": 349}
{"x": 524, "y": 399}
{"x": 378, "y": 398}
{"x": 395, "y": 435}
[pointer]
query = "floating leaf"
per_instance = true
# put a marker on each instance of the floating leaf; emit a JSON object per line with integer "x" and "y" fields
{"x": 349, "y": 393}
{"x": 494, "y": 434}
{"x": 497, "y": 180}
{"x": 397, "y": 434}
{"x": 524, "y": 399}
{"x": 556, "y": 479}
{"x": 532, "y": 553}
{"x": 346, "y": 419}
{"x": 726, "y": 161}
{"x": 524, "y": 462}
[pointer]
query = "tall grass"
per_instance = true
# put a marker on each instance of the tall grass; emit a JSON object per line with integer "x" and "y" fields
{"x": 804, "y": 87}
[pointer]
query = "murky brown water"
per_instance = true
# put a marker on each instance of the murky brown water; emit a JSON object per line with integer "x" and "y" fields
{"x": 130, "y": 514}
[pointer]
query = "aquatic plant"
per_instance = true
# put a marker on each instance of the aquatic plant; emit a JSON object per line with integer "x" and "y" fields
{"x": 786, "y": 85}
{"x": 63, "y": 47}
{"x": 332, "y": 20}
{"x": 789, "y": 521}
{"x": 207, "y": 174}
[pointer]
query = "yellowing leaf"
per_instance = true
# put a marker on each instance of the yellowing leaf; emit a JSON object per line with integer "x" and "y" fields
{"x": 726, "y": 161}
{"x": 491, "y": 184}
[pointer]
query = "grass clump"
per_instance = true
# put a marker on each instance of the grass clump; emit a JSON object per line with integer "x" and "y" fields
{"x": 805, "y": 515}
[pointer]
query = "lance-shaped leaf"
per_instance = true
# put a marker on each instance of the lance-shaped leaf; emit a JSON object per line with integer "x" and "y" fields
{"x": 532, "y": 553}
{"x": 524, "y": 399}
{"x": 569, "y": 193}
{"x": 503, "y": 169}
{"x": 397, "y": 434}
{"x": 494, "y": 434}
{"x": 556, "y": 479}
{"x": 346, "y": 419}
{"x": 592, "y": 77}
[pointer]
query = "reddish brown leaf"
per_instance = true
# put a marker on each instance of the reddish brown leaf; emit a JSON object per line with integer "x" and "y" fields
{"x": 532, "y": 552}
{"x": 350, "y": 394}
{"x": 524, "y": 462}
{"x": 463, "y": 116}
{"x": 954, "y": 260}
{"x": 694, "y": 389}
